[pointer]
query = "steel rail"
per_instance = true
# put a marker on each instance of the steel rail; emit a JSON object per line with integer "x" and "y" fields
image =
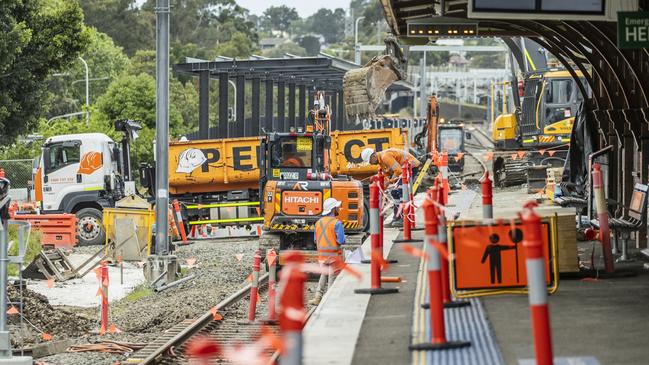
{"x": 201, "y": 322}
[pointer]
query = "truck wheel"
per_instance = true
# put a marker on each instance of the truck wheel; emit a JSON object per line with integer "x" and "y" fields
{"x": 90, "y": 230}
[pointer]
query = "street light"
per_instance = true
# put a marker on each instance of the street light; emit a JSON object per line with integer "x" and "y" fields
{"x": 85, "y": 65}
{"x": 357, "y": 53}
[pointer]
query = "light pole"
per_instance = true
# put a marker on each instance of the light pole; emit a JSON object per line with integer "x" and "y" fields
{"x": 85, "y": 65}
{"x": 357, "y": 50}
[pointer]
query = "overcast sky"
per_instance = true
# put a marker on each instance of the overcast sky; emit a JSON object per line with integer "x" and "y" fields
{"x": 303, "y": 7}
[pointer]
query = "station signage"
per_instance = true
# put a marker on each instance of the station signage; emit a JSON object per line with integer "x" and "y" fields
{"x": 633, "y": 29}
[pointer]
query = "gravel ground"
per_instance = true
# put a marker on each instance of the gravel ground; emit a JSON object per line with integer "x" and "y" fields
{"x": 218, "y": 272}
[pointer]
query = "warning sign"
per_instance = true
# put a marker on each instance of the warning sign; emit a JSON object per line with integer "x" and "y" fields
{"x": 304, "y": 144}
{"x": 492, "y": 256}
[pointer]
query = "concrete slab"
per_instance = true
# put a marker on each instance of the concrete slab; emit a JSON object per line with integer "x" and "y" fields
{"x": 83, "y": 292}
{"x": 336, "y": 323}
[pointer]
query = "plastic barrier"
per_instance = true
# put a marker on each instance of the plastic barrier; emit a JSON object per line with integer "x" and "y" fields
{"x": 179, "y": 221}
{"x": 537, "y": 290}
{"x": 254, "y": 287}
{"x": 58, "y": 230}
{"x": 292, "y": 302}
{"x": 602, "y": 216}
{"x": 408, "y": 208}
{"x": 487, "y": 197}
{"x": 375, "y": 237}
{"x": 434, "y": 271}
{"x": 271, "y": 259}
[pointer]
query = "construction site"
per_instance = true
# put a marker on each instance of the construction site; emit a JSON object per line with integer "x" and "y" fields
{"x": 323, "y": 210}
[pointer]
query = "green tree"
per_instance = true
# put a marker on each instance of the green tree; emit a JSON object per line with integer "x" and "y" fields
{"x": 310, "y": 43}
{"x": 330, "y": 24}
{"x": 123, "y": 20}
{"x": 240, "y": 46}
{"x": 36, "y": 39}
{"x": 280, "y": 17}
{"x": 105, "y": 60}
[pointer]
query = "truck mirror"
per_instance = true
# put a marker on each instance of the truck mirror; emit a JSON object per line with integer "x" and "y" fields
{"x": 467, "y": 135}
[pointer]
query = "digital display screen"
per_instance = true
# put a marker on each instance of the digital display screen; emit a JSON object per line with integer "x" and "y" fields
{"x": 542, "y": 6}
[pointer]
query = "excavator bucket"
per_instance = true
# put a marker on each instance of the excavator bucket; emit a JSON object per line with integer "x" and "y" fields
{"x": 364, "y": 88}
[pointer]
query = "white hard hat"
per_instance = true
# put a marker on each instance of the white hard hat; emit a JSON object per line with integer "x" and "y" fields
{"x": 366, "y": 154}
{"x": 329, "y": 205}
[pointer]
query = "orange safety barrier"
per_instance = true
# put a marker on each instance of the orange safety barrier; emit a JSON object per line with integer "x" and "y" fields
{"x": 58, "y": 230}
{"x": 254, "y": 287}
{"x": 291, "y": 308}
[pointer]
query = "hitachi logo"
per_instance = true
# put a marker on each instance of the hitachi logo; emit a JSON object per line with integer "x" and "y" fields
{"x": 302, "y": 199}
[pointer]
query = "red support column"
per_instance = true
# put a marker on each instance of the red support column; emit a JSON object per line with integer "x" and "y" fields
{"x": 537, "y": 286}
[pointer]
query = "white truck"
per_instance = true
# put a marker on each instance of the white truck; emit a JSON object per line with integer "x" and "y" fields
{"x": 84, "y": 173}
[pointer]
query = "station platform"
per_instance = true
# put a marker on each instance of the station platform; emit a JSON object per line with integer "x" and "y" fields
{"x": 594, "y": 321}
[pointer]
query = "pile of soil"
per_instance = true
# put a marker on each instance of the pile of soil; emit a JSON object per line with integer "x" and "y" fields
{"x": 39, "y": 316}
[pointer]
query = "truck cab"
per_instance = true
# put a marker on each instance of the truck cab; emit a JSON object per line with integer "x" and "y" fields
{"x": 81, "y": 174}
{"x": 451, "y": 140}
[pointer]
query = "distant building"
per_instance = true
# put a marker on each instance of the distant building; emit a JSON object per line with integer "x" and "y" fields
{"x": 269, "y": 43}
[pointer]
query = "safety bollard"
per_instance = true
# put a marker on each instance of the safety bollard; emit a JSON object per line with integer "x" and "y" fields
{"x": 407, "y": 208}
{"x": 487, "y": 197}
{"x": 254, "y": 286}
{"x": 380, "y": 179}
{"x": 444, "y": 170}
{"x": 536, "y": 285}
{"x": 271, "y": 258}
{"x": 103, "y": 270}
{"x": 374, "y": 234}
{"x": 433, "y": 268}
{"x": 411, "y": 179}
{"x": 602, "y": 216}
{"x": 291, "y": 302}
{"x": 179, "y": 220}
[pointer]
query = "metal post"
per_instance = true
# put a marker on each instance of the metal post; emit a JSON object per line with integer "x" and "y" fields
{"x": 422, "y": 88}
{"x": 302, "y": 105}
{"x": 340, "y": 122}
{"x": 223, "y": 105}
{"x": 291, "y": 104}
{"x": 5, "y": 344}
{"x": 281, "y": 107}
{"x": 240, "y": 106}
{"x": 334, "y": 111}
{"x": 162, "y": 126}
{"x": 357, "y": 47}
{"x": 252, "y": 128}
{"x": 204, "y": 105}
{"x": 269, "y": 125}
{"x": 85, "y": 65}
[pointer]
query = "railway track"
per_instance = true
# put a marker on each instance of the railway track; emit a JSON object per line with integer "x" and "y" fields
{"x": 231, "y": 329}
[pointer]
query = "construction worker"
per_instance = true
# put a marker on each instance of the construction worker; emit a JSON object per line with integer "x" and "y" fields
{"x": 390, "y": 161}
{"x": 329, "y": 235}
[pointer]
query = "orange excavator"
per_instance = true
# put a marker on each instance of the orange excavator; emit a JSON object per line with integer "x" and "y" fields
{"x": 293, "y": 193}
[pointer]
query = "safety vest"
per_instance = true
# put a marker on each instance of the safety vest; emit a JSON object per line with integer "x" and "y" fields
{"x": 392, "y": 159}
{"x": 325, "y": 234}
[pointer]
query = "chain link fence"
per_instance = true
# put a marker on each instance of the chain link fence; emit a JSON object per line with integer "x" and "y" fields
{"x": 19, "y": 172}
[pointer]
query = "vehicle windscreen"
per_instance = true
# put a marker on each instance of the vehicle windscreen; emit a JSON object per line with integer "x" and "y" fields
{"x": 450, "y": 140}
{"x": 63, "y": 154}
{"x": 292, "y": 151}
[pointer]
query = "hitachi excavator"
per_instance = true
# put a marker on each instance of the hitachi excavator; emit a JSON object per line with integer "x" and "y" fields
{"x": 364, "y": 88}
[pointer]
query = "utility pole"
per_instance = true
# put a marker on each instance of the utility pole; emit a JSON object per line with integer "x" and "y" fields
{"x": 357, "y": 49}
{"x": 85, "y": 65}
{"x": 162, "y": 127}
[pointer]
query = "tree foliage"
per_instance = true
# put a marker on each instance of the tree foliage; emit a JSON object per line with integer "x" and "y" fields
{"x": 281, "y": 50}
{"x": 330, "y": 24}
{"x": 280, "y": 17}
{"x": 128, "y": 25}
{"x": 36, "y": 39}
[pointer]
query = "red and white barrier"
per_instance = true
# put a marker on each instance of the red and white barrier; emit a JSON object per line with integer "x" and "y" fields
{"x": 536, "y": 285}
{"x": 487, "y": 197}
{"x": 375, "y": 239}
{"x": 443, "y": 169}
{"x": 602, "y": 216}
{"x": 434, "y": 271}
{"x": 254, "y": 288}
{"x": 103, "y": 286}
{"x": 292, "y": 313}
{"x": 271, "y": 258}
{"x": 408, "y": 207}
{"x": 179, "y": 221}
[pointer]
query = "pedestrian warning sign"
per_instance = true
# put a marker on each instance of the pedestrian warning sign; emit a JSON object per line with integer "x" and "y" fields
{"x": 492, "y": 256}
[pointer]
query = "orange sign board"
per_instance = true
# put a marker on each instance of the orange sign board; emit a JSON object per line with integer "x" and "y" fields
{"x": 492, "y": 256}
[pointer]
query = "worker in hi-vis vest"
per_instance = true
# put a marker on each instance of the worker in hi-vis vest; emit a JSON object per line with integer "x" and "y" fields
{"x": 329, "y": 235}
{"x": 390, "y": 161}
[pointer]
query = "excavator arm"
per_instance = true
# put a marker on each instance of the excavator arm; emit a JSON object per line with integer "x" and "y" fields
{"x": 364, "y": 88}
